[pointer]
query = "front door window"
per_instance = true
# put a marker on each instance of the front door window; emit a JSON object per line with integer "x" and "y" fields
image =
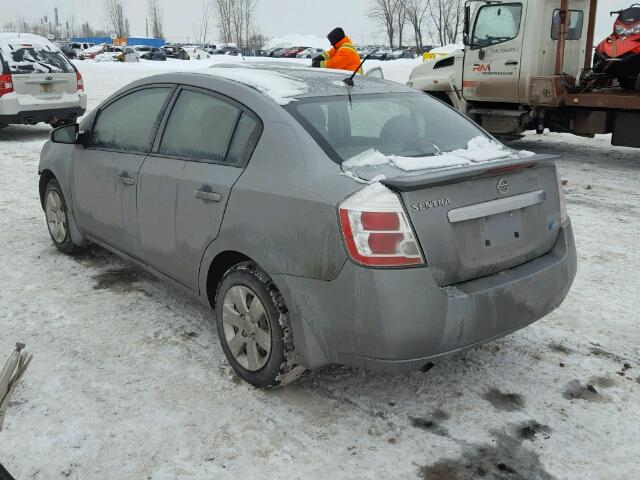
{"x": 496, "y": 24}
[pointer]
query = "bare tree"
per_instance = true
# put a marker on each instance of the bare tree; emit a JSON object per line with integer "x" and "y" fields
{"x": 249, "y": 12}
{"x": 447, "y": 17}
{"x": 225, "y": 10}
{"x": 115, "y": 16}
{"x": 401, "y": 20}
{"x": 416, "y": 11}
{"x": 155, "y": 15}
{"x": 201, "y": 29}
{"x": 384, "y": 13}
{"x": 237, "y": 22}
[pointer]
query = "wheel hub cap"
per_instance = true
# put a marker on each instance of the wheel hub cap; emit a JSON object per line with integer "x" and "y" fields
{"x": 56, "y": 217}
{"x": 246, "y": 328}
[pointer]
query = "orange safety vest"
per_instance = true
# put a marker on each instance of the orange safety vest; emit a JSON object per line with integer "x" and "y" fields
{"x": 343, "y": 56}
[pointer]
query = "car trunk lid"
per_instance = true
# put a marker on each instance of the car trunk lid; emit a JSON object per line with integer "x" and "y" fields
{"x": 479, "y": 220}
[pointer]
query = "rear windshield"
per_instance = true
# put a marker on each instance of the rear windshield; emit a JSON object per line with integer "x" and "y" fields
{"x": 35, "y": 59}
{"x": 403, "y": 124}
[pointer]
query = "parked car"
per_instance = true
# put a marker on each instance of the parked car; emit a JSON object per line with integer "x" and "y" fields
{"x": 196, "y": 53}
{"x": 292, "y": 52}
{"x": 381, "y": 54}
{"x": 303, "y": 265}
{"x": 150, "y": 53}
{"x": 68, "y": 51}
{"x": 228, "y": 50}
{"x": 210, "y": 48}
{"x": 400, "y": 53}
{"x": 176, "y": 51}
{"x": 100, "y": 49}
{"x": 38, "y": 83}
{"x": 80, "y": 46}
{"x": 129, "y": 54}
{"x": 278, "y": 53}
{"x": 272, "y": 51}
{"x": 310, "y": 53}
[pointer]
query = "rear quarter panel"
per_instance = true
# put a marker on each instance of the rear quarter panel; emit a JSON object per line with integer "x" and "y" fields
{"x": 282, "y": 211}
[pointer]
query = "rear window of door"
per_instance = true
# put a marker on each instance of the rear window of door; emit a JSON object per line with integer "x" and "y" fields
{"x": 574, "y": 24}
{"x": 128, "y": 123}
{"x": 201, "y": 127}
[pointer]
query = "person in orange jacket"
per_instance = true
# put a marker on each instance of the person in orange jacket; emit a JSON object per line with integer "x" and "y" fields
{"x": 343, "y": 55}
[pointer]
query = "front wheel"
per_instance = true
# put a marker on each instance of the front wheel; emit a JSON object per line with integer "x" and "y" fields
{"x": 57, "y": 215}
{"x": 254, "y": 329}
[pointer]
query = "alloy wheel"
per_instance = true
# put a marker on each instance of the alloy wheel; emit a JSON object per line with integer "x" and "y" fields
{"x": 246, "y": 326}
{"x": 56, "y": 217}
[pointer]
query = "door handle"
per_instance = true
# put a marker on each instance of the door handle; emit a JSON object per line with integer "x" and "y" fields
{"x": 125, "y": 180}
{"x": 511, "y": 62}
{"x": 207, "y": 196}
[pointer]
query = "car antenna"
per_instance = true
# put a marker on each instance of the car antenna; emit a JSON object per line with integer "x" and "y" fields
{"x": 349, "y": 81}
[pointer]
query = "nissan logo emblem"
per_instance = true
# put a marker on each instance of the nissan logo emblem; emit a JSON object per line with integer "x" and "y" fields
{"x": 503, "y": 186}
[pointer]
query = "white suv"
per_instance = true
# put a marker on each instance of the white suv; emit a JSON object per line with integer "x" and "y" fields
{"x": 37, "y": 82}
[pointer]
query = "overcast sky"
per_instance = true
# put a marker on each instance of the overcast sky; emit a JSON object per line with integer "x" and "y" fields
{"x": 275, "y": 17}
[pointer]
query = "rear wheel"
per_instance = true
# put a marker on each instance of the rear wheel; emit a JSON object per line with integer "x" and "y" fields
{"x": 253, "y": 327}
{"x": 56, "y": 213}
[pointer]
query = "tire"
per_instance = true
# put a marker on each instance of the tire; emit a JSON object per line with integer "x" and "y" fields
{"x": 57, "y": 217}
{"x": 268, "y": 334}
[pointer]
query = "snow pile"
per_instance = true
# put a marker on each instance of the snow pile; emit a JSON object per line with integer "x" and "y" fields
{"x": 449, "y": 48}
{"x": 368, "y": 158}
{"x": 294, "y": 40}
{"x": 479, "y": 150}
{"x": 280, "y": 87}
{"x": 107, "y": 57}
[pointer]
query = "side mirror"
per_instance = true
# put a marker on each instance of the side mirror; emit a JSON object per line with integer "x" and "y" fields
{"x": 375, "y": 72}
{"x": 66, "y": 134}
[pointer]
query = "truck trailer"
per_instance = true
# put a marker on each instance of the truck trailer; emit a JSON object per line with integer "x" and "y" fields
{"x": 527, "y": 65}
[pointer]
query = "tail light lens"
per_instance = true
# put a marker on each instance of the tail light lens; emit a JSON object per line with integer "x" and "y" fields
{"x": 6, "y": 84}
{"x": 376, "y": 230}
{"x": 79, "y": 82}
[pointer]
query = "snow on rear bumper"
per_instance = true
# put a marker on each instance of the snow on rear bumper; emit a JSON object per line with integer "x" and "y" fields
{"x": 14, "y": 104}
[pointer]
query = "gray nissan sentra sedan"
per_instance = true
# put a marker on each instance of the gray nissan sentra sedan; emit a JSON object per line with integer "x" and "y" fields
{"x": 366, "y": 225}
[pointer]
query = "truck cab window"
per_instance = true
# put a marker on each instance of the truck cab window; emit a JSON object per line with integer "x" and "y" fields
{"x": 574, "y": 25}
{"x": 496, "y": 24}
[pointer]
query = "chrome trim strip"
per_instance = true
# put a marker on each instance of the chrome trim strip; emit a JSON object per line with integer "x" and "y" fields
{"x": 494, "y": 207}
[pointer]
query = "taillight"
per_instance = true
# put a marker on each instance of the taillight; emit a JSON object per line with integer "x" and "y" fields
{"x": 376, "y": 230}
{"x": 79, "y": 82}
{"x": 6, "y": 84}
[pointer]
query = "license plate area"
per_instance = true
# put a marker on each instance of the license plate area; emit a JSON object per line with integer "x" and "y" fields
{"x": 502, "y": 230}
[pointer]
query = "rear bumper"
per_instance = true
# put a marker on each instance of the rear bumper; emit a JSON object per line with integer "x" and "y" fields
{"x": 27, "y": 109}
{"x": 395, "y": 320}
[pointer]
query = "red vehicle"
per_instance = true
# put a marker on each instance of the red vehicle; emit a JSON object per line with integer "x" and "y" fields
{"x": 292, "y": 52}
{"x": 618, "y": 56}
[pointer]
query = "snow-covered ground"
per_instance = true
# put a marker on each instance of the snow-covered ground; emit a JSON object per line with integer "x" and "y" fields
{"x": 128, "y": 379}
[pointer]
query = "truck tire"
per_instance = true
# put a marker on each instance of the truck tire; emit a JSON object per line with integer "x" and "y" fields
{"x": 254, "y": 329}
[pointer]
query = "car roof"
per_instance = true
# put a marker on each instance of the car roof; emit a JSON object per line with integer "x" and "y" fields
{"x": 286, "y": 82}
{"x": 13, "y": 38}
